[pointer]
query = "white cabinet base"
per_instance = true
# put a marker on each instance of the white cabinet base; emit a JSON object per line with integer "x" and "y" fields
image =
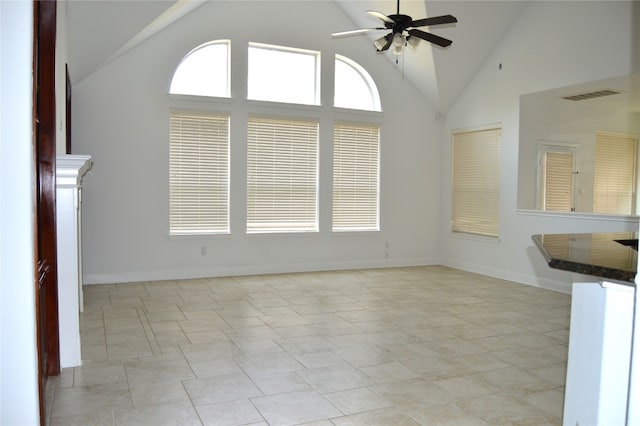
{"x": 597, "y": 385}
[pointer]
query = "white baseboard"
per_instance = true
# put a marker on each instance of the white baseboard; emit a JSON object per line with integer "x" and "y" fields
{"x": 527, "y": 279}
{"x": 227, "y": 271}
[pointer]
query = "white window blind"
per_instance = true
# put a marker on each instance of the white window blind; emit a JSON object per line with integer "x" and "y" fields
{"x": 614, "y": 180}
{"x": 476, "y": 182}
{"x": 558, "y": 181}
{"x": 356, "y": 162}
{"x": 282, "y": 175}
{"x": 198, "y": 173}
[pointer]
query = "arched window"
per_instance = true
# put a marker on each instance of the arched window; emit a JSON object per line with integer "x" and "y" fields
{"x": 204, "y": 71}
{"x": 281, "y": 152}
{"x": 354, "y": 87}
{"x": 199, "y": 145}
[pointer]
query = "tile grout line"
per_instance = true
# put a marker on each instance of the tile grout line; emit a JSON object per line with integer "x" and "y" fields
{"x": 151, "y": 337}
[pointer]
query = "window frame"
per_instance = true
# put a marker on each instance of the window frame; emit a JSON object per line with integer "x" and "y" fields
{"x": 551, "y": 147}
{"x": 317, "y": 89}
{"x": 367, "y": 80}
{"x": 227, "y": 94}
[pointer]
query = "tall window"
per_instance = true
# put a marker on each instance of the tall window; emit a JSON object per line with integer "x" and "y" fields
{"x": 615, "y": 173}
{"x": 198, "y": 173}
{"x": 476, "y": 182}
{"x": 356, "y": 165}
{"x": 281, "y": 74}
{"x": 204, "y": 71}
{"x": 282, "y": 175}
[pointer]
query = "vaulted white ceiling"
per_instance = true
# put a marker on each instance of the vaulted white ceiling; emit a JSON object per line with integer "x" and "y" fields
{"x": 440, "y": 74}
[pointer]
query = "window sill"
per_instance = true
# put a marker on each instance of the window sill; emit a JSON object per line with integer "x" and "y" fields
{"x": 475, "y": 237}
{"x": 355, "y": 232}
{"x": 281, "y": 233}
{"x": 203, "y": 236}
{"x": 196, "y": 98}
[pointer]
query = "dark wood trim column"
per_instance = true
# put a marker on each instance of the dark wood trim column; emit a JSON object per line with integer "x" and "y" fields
{"x": 46, "y": 286}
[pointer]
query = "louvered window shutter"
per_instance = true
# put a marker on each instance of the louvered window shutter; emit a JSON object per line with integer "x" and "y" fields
{"x": 615, "y": 165}
{"x": 558, "y": 181}
{"x": 198, "y": 173}
{"x": 282, "y": 175}
{"x": 476, "y": 182}
{"x": 356, "y": 167}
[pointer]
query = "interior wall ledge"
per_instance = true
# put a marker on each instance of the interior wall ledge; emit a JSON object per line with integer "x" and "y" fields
{"x": 576, "y": 215}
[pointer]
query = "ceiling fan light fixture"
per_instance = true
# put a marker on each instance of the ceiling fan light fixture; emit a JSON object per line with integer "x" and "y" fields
{"x": 398, "y": 43}
{"x": 379, "y": 43}
{"x": 413, "y": 41}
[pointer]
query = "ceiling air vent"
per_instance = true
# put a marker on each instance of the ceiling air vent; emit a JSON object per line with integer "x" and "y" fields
{"x": 591, "y": 95}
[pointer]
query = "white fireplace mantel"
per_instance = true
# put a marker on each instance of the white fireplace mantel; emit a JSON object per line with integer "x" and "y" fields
{"x": 70, "y": 169}
{"x": 69, "y": 172}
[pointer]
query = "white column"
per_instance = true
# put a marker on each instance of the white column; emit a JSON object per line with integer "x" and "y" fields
{"x": 633, "y": 414}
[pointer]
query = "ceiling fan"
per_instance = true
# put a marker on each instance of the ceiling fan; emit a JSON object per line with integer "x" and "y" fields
{"x": 403, "y": 30}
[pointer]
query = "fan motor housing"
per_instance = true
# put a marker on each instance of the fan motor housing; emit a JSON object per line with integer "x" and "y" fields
{"x": 400, "y": 23}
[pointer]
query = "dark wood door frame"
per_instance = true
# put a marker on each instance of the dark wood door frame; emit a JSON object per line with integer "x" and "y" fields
{"x": 68, "y": 108}
{"x": 44, "y": 122}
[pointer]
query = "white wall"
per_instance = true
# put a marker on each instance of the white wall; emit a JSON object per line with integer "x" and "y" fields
{"x": 551, "y": 44}
{"x": 120, "y": 117}
{"x": 18, "y": 359}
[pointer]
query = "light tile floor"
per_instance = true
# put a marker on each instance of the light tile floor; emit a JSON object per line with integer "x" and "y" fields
{"x": 400, "y": 346}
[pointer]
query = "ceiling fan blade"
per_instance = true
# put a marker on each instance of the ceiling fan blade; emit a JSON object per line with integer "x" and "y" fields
{"x": 381, "y": 16}
{"x": 432, "y": 38}
{"x": 355, "y": 32}
{"x": 436, "y": 20}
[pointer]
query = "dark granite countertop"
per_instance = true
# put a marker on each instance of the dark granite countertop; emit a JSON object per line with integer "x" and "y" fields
{"x": 598, "y": 254}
